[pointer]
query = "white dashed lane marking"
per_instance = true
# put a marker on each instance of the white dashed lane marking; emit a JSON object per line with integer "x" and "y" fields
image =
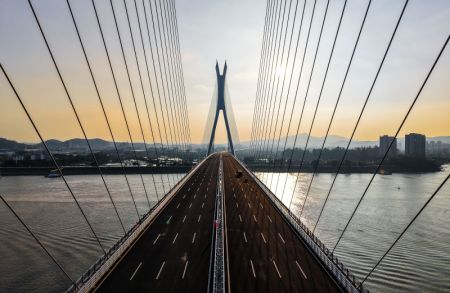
{"x": 175, "y": 238}
{"x": 135, "y": 271}
{"x": 281, "y": 238}
{"x": 300, "y": 268}
{"x": 264, "y": 238}
{"x": 253, "y": 269}
{"x": 276, "y": 268}
{"x": 154, "y": 242}
{"x": 160, "y": 270}
{"x": 184, "y": 271}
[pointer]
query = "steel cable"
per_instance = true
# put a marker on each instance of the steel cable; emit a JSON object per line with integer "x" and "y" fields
{"x": 296, "y": 95}
{"x": 153, "y": 98}
{"x": 116, "y": 87}
{"x": 272, "y": 87}
{"x": 267, "y": 65}
{"x": 37, "y": 240}
{"x": 268, "y": 83}
{"x": 180, "y": 68}
{"x": 52, "y": 158}
{"x": 256, "y": 107}
{"x": 132, "y": 90}
{"x": 318, "y": 100}
{"x": 334, "y": 112}
{"x": 391, "y": 143}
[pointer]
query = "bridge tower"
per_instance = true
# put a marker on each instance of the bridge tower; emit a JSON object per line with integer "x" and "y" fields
{"x": 221, "y": 107}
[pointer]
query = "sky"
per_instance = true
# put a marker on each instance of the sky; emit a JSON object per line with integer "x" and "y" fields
{"x": 231, "y": 30}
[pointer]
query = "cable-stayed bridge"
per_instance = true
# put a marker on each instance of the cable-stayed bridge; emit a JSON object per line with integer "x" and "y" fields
{"x": 223, "y": 226}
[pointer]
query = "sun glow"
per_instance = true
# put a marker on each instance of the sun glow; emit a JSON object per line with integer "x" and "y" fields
{"x": 280, "y": 71}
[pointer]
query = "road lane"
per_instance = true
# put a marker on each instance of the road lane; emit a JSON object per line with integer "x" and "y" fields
{"x": 263, "y": 253}
{"x": 173, "y": 254}
{"x": 272, "y": 258}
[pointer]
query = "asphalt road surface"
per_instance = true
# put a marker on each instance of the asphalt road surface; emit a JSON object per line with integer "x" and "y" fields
{"x": 173, "y": 254}
{"x": 264, "y": 253}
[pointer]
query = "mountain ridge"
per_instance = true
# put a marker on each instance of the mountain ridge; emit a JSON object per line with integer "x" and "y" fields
{"x": 99, "y": 144}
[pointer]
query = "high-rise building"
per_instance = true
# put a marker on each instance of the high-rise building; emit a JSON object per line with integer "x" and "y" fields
{"x": 385, "y": 141}
{"x": 415, "y": 145}
{"x": 438, "y": 148}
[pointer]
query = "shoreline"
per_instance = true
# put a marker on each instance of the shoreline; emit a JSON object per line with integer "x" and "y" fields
{"x": 107, "y": 170}
{"x": 344, "y": 169}
{"x": 88, "y": 170}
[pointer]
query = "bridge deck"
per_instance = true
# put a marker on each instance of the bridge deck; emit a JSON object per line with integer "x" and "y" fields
{"x": 271, "y": 257}
{"x": 173, "y": 254}
{"x": 263, "y": 252}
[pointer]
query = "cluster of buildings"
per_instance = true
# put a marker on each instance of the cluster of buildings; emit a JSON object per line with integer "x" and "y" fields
{"x": 416, "y": 145}
{"x": 18, "y": 157}
{"x": 438, "y": 148}
{"x": 23, "y": 155}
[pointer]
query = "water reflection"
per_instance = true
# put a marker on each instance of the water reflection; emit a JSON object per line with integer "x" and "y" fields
{"x": 419, "y": 262}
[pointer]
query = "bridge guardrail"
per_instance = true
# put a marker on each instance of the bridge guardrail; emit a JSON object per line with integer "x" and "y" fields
{"x": 342, "y": 275}
{"x": 90, "y": 278}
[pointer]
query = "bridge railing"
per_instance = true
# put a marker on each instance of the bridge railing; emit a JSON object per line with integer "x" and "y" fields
{"x": 219, "y": 252}
{"x": 101, "y": 267}
{"x": 337, "y": 269}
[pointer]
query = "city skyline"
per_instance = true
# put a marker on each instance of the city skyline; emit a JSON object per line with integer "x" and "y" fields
{"x": 355, "y": 142}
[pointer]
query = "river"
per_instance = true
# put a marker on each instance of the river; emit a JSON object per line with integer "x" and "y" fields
{"x": 419, "y": 262}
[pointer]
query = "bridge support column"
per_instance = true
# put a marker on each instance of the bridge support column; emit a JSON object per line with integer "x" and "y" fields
{"x": 221, "y": 107}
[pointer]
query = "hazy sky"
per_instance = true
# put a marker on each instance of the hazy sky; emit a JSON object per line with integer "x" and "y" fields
{"x": 229, "y": 30}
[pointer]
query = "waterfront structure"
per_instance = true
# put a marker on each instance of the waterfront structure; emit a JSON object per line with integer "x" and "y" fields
{"x": 415, "y": 145}
{"x": 385, "y": 141}
{"x": 438, "y": 148}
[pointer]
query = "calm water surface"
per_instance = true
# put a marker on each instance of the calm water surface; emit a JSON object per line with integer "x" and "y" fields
{"x": 48, "y": 208}
{"x": 420, "y": 262}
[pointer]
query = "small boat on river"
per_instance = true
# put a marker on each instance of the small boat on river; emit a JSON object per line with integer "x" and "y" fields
{"x": 384, "y": 172}
{"x": 53, "y": 174}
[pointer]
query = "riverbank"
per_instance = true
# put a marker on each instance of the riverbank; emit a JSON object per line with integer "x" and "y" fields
{"x": 344, "y": 169}
{"x": 305, "y": 168}
{"x": 87, "y": 170}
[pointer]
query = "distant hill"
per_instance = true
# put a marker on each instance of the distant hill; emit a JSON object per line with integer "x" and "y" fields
{"x": 316, "y": 142}
{"x": 336, "y": 141}
{"x": 78, "y": 144}
{"x": 98, "y": 144}
{"x": 75, "y": 144}
{"x": 12, "y": 145}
